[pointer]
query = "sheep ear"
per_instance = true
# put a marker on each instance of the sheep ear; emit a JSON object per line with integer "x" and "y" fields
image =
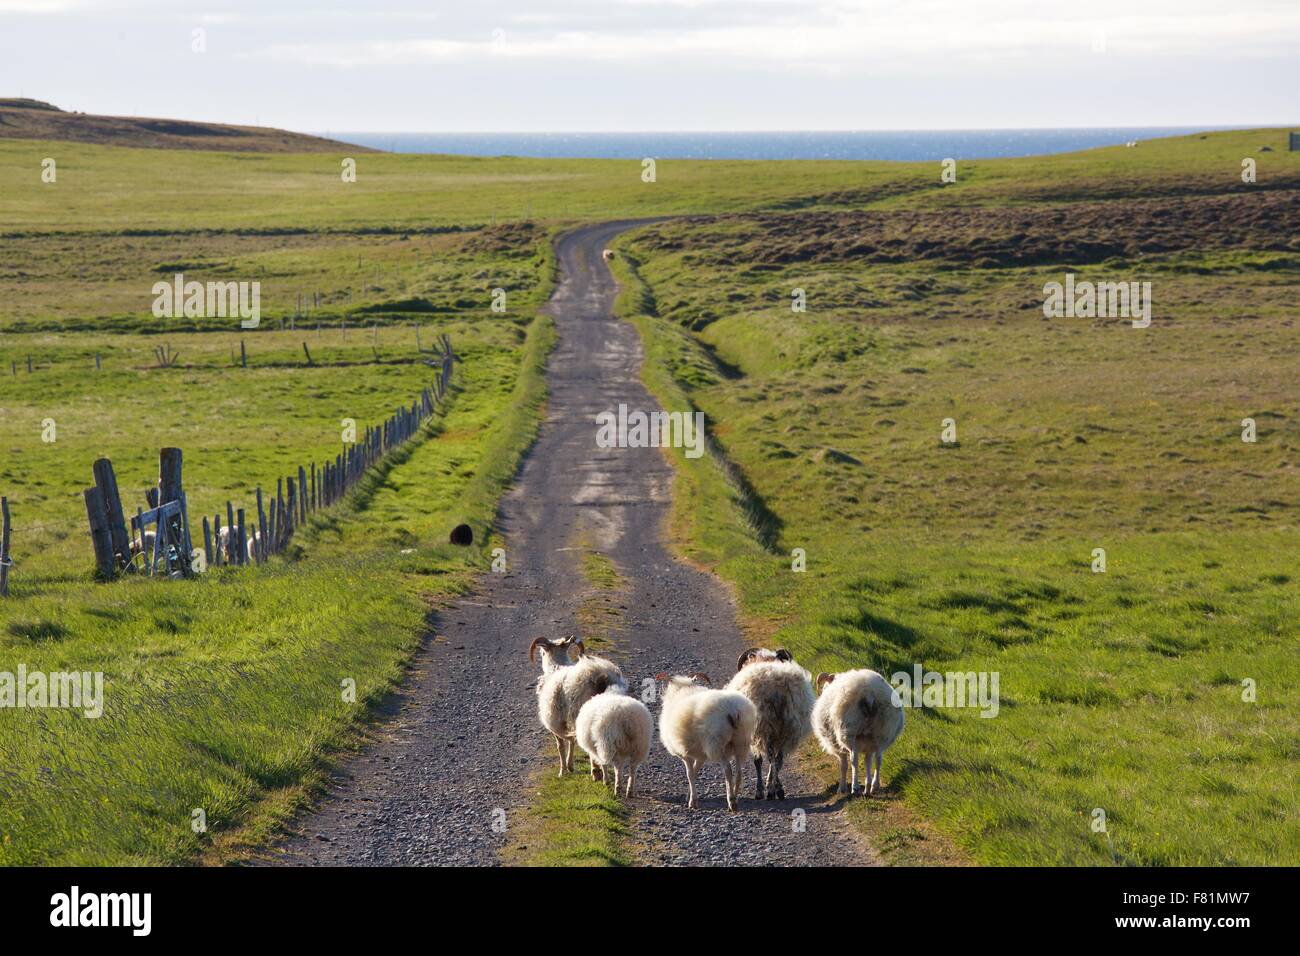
{"x": 661, "y": 676}
{"x": 783, "y": 655}
{"x": 824, "y": 678}
{"x": 701, "y": 676}
{"x": 745, "y": 656}
{"x": 582, "y": 648}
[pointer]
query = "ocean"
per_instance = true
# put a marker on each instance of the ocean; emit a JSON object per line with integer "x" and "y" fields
{"x": 901, "y": 145}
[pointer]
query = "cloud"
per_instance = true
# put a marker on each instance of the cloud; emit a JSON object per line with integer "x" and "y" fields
{"x": 846, "y": 36}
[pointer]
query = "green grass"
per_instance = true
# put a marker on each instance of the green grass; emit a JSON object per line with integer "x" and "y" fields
{"x": 225, "y": 694}
{"x": 1121, "y": 691}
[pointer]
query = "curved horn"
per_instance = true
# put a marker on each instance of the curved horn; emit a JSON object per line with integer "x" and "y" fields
{"x": 532, "y": 648}
{"x": 568, "y": 639}
{"x": 661, "y": 676}
{"x": 823, "y": 678}
{"x": 582, "y": 648}
{"x": 745, "y": 656}
{"x": 701, "y": 676}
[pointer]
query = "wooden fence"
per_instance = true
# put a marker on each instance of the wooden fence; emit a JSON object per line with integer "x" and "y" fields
{"x": 243, "y": 537}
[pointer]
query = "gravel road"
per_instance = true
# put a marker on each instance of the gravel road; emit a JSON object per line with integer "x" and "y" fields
{"x": 463, "y": 729}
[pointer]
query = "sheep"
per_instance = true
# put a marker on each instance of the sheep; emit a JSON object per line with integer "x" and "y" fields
{"x": 223, "y": 542}
{"x": 615, "y": 729}
{"x": 607, "y": 255}
{"x": 699, "y": 726}
{"x": 565, "y": 686}
{"x": 858, "y": 713}
{"x": 144, "y": 546}
{"x": 782, "y": 693}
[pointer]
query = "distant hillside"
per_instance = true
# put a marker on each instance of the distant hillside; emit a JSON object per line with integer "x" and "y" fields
{"x": 32, "y": 119}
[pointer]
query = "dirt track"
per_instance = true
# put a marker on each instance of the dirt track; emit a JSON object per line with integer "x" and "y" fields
{"x": 426, "y": 791}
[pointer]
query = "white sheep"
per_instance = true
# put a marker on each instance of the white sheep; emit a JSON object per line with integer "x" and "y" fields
{"x": 565, "y": 686}
{"x": 857, "y": 713}
{"x": 607, "y": 255}
{"x": 700, "y": 726}
{"x": 615, "y": 730}
{"x": 223, "y": 542}
{"x": 782, "y": 693}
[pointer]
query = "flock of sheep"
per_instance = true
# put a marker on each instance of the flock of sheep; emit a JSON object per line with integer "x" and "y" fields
{"x": 766, "y": 711}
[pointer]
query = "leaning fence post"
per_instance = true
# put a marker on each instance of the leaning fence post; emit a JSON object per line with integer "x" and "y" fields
{"x": 106, "y": 482}
{"x": 100, "y": 535}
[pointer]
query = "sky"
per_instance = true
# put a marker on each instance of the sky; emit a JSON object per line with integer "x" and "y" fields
{"x": 652, "y": 65}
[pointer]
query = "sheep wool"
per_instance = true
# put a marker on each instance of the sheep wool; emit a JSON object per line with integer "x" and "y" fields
{"x": 782, "y": 695}
{"x": 615, "y": 731}
{"x": 857, "y": 713}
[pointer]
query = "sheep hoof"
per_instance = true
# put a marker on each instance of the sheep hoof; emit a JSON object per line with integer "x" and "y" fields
{"x": 758, "y": 793}
{"x": 780, "y": 793}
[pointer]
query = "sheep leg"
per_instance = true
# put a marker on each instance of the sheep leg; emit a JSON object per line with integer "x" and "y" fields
{"x": 875, "y": 776}
{"x": 758, "y": 784}
{"x": 735, "y": 786}
{"x": 615, "y": 779}
{"x": 729, "y": 775}
{"x": 853, "y": 764}
{"x": 774, "y": 789}
{"x": 631, "y": 779}
{"x": 844, "y": 771}
{"x": 559, "y": 745}
{"x": 569, "y": 745}
{"x": 690, "y": 784}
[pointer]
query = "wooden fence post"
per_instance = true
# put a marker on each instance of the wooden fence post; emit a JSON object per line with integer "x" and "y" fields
{"x": 231, "y": 553}
{"x": 170, "y": 489}
{"x": 207, "y": 540}
{"x": 242, "y": 554}
{"x": 100, "y": 535}
{"x": 106, "y": 482}
{"x": 261, "y": 528}
{"x": 243, "y": 354}
{"x": 5, "y": 560}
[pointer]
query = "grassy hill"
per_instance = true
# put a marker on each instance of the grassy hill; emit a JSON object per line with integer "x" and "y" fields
{"x": 34, "y": 119}
{"x": 1121, "y": 690}
{"x": 1157, "y": 690}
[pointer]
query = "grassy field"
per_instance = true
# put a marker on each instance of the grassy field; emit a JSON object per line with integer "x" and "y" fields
{"x": 1121, "y": 691}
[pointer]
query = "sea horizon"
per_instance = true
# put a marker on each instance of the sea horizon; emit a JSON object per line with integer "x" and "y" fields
{"x": 888, "y": 145}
